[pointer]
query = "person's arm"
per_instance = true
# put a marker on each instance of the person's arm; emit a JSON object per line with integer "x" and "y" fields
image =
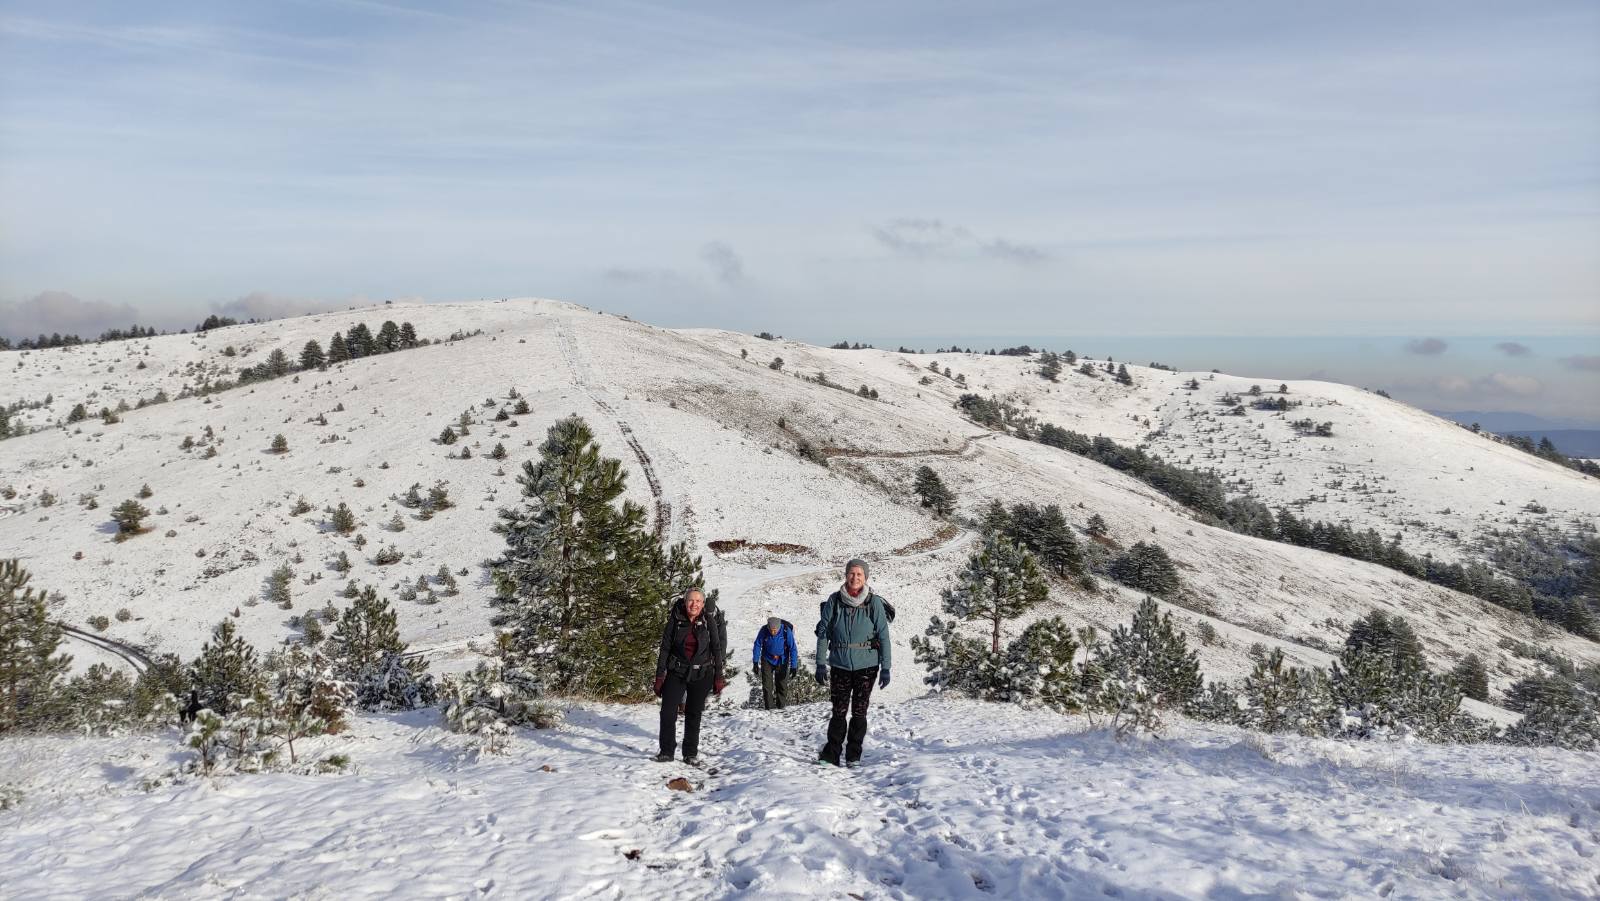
{"x": 793, "y": 650}
{"x": 822, "y": 636}
{"x": 880, "y": 622}
{"x": 755, "y": 652}
{"x": 665, "y": 649}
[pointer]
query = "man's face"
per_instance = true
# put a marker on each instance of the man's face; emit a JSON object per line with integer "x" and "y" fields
{"x": 694, "y": 603}
{"x": 773, "y": 629}
{"x": 854, "y": 578}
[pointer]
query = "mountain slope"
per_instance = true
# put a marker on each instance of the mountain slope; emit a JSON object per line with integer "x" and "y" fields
{"x": 698, "y": 425}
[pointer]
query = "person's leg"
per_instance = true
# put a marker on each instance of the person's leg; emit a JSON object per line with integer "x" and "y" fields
{"x": 839, "y": 694}
{"x": 769, "y": 694}
{"x": 671, "y": 697}
{"x": 699, "y": 689}
{"x": 861, "y": 683}
{"x": 780, "y": 681}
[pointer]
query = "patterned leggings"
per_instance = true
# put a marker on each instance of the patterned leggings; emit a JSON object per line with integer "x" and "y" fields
{"x": 850, "y": 691}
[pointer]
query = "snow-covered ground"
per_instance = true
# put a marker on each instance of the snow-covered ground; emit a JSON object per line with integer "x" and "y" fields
{"x": 959, "y": 799}
{"x": 956, "y": 800}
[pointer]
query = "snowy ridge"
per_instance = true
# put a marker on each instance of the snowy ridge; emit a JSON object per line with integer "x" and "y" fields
{"x": 720, "y": 467}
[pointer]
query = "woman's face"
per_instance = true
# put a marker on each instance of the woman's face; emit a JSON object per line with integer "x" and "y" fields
{"x": 854, "y": 578}
{"x": 694, "y": 603}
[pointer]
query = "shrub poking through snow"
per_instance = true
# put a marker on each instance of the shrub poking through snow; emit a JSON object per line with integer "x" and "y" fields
{"x": 129, "y": 517}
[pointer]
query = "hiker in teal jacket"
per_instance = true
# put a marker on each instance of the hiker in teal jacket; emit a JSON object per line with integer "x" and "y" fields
{"x": 852, "y": 640}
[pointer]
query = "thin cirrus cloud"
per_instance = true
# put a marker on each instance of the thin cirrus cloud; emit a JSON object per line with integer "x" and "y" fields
{"x": 1582, "y": 362}
{"x": 1494, "y": 386}
{"x": 937, "y": 239}
{"x": 1426, "y": 347}
{"x": 1514, "y": 349}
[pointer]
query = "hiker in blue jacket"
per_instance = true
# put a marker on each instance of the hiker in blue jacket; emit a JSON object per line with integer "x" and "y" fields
{"x": 853, "y": 639}
{"x": 776, "y": 658}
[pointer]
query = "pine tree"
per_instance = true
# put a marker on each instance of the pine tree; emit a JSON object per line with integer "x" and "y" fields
{"x": 280, "y": 444}
{"x": 1039, "y": 667}
{"x": 388, "y": 337}
{"x": 498, "y": 452}
{"x": 129, "y": 516}
{"x": 1473, "y": 677}
{"x": 1152, "y": 661}
{"x": 1559, "y": 714}
{"x": 367, "y": 630}
{"x": 1045, "y": 531}
{"x": 1146, "y": 567}
{"x": 343, "y": 520}
{"x": 311, "y": 356}
{"x": 408, "y": 335}
{"x": 79, "y": 413}
{"x": 338, "y": 351}
{"x": 1000, "y": 582}
{"x": 933, "y": 492}
{"x": 278, "y": 364}
{"x": 448, "y": 436}
{"x": 226, "y": 672}
{"x": 1279, "y": 699}
{"x": 30, "y": 669}
{"x": 585, "y": 581}
{"x": 1096, "y": 526}
{"x": 360, "y": 341}
{"x": 278, "y": 590}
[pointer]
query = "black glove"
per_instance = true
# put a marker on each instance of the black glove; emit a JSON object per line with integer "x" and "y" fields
{"x": 822, "y": 674}
{"x": 883, "y": 679}
{"x": 793, "y": 670}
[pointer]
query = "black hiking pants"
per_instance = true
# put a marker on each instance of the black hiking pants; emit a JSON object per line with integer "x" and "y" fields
{"x": 692, "y": 695}
{"x": 774, "y": 686}
{"x": 850, "y": 691}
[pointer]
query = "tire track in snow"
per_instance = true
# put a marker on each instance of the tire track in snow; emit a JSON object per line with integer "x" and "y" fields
{"x": 135, "y": 657}
{"x": 579, "y": 367}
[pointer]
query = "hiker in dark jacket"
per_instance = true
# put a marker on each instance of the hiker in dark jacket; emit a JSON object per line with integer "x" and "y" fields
{"x": 776, "y": 658}
{"x": 853, "y": 639}
{"x": 689, "y": 666}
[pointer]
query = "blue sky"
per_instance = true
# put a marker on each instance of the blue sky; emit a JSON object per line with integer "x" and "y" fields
{"x": 828, "y": 169}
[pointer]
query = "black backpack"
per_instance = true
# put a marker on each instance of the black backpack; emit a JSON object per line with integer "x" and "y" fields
{"x": 888, "y": 612}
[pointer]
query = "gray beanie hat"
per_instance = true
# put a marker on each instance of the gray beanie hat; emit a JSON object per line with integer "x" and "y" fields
{"x": 857, "y": 561}
{"x": 773, "y": 622}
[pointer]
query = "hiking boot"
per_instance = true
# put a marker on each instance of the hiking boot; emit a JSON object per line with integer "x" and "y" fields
{"x": 692, "y": 761}
{"x": 663, "y": 758}
{"x": 852, "y": 764}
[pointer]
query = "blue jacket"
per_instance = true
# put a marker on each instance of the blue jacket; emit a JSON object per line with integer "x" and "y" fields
{"x": 778, "y": 650}
{"x": 845, "y": 634}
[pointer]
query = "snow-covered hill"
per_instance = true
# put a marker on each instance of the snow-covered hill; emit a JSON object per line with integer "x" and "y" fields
{"x": 956, "y": 800}
{"x": 708, "y": 430}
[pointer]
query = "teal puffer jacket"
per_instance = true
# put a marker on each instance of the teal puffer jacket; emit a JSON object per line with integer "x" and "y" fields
{"x": 847, "y": 645}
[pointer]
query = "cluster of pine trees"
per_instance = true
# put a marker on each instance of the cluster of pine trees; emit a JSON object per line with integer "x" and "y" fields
{"x": 1381, "y": 685}
{"x": 246, "y": 709}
